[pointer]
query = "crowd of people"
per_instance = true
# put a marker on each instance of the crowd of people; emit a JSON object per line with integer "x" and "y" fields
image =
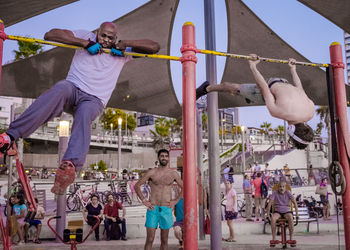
{"x": 255, "y": 188}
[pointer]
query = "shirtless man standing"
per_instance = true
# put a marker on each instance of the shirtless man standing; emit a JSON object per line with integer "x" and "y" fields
{"x": 284, "y": 100}
{"x": 160, "y": 204}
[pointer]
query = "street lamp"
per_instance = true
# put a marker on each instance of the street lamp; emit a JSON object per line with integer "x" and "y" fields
{"x": 120, "y": 120}
{"x": 111, "y": 133}
{"x": 62, "y": 147}
{"x": 243, "y": 149}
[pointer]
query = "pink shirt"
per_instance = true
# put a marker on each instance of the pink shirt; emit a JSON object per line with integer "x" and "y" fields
{"x": 257, "y": 187}
{"x": 230, "y": 197}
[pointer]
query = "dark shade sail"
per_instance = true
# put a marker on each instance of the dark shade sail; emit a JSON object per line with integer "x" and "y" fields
{"x": 144, "y": 85}
{"x": 337, "y": 11}
{"x": 15, "y": 11}
{"x": 248, "y": 34}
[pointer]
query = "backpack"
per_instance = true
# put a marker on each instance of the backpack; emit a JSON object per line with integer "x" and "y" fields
{"x": 263, "y": 189}
{"x": 115, "y": 232}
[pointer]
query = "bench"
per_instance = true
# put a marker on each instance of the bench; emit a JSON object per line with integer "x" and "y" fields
{"x": 304, "y": 217}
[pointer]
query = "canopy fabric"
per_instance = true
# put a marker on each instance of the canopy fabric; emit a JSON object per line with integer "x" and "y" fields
{"x": 144, "y": 84}
{"x": 337, "y": 11}
{"x": 248, "y": 34}
{"x": 15, "y": 11}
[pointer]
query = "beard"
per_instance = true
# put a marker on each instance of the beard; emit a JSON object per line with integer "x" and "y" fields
{"x": 163, "y": 163}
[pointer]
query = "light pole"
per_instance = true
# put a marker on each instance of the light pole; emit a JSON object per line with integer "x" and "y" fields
{"x": 120, "y": 120}
{"x": 243, "y": 149}
{"x": 126, "y": 125}
{"x": 222, "y": 133}
{"x": 224, "y": 129}
{"x": 111, "y": 133}
{"x": 61, "y": 199}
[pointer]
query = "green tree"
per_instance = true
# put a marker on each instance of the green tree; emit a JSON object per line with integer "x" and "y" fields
{"x": 323, "y": 112}
{"x": 279, "y": 130}
{"x": 111, "y": 116}
{"x": 266, "y": 127}
{"x": 325, "y": 121}
{"x": 102, "y": 166}
{"x": 27, "y": 49}
{"x": 161, "y": 135}
{"x": 204, "y": 121}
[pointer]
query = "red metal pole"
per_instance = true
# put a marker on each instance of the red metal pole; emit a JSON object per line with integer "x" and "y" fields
{"x": 342, "y": 129}
{"x": 189, "y": 61}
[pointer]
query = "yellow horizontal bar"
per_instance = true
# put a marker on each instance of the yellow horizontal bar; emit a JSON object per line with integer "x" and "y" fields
{"x": 216, "y": 53}
{"x": 35, "y": 40}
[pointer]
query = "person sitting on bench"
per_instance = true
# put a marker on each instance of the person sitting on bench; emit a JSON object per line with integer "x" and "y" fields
{"x": 36, "y": 222}
{"x": 111, "y": 212}
{"x": 281, "y": 200}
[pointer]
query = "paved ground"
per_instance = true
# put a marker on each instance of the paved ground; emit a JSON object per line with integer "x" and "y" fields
{"x": 305, "y": 241}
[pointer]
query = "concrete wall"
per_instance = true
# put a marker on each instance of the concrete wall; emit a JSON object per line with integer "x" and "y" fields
{"x": 144, "y": 158}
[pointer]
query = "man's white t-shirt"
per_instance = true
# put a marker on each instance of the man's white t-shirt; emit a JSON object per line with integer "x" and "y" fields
{"x": 96, "y": 75}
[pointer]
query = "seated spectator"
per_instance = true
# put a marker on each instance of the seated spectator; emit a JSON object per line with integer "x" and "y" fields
{"x": 178, "y": 225}
{"x": 281, "y": 201}
{"x": 111, "y": 212}
{"x": 94, "y": 208}
{"x": 36, "y": 222}
{"x": 20, "y": 211}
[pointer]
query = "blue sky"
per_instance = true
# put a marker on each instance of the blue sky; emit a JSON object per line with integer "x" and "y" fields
{"x": 305, "y": 30}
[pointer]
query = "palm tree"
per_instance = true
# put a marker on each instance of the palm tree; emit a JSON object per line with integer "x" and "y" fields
{"x": 204, "y": 121}
{"x": 323, "y": 112}
{"x": 27, "y": 49}
{"x": 161, "y": 135}
{"x": 266, "y": 126}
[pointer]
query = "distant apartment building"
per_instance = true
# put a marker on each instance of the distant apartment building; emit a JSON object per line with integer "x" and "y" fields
{"x": 347, "y": 55}
{"x": 5, "y": 108}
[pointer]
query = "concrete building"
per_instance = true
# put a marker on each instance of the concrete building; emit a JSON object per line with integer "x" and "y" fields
{"x": 5, "y": 108}
{"x": 347, "y": 55}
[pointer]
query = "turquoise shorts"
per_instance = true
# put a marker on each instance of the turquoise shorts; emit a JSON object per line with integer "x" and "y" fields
{"x": 161, "y": 215}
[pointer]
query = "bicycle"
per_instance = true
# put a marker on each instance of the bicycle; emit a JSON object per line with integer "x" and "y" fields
{"x": 118, "y": 196}
{"x": 76, "y": 199}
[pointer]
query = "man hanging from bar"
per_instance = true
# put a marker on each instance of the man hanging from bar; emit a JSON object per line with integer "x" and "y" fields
{"x": 284, "y": 100}
{"x": 84, "y": 93}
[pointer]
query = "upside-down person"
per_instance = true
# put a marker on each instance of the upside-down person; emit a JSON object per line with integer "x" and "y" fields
{"x": 85, "y": 92}
{"x": 281, "y": 201}
{"x": 284, "y": 100}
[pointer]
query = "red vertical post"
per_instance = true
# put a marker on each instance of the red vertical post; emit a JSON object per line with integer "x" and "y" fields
{"x": 2, "y": 38}
{"x": 189, "y": 61}
{"x": 342, "y": 129}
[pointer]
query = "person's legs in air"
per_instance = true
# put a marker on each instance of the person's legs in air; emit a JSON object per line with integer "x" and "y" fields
{"x": 88, "y": 108}
{"x": 47, "y": 106}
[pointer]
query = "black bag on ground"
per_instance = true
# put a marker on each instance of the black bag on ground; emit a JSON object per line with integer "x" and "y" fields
{"x": 115, "y": 232}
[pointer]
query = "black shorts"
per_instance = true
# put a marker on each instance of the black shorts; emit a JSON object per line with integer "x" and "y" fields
{"x": 283, "y": 214}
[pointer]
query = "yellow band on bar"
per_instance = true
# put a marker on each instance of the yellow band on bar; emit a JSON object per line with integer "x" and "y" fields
{"x": 34, "y": 40}
{"x": 210, "y": 52}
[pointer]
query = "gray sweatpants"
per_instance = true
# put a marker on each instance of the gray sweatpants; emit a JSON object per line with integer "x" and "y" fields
{"x": 63, "y": 96}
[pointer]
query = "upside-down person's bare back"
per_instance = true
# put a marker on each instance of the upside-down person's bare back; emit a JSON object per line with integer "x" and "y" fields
{"x": 284, "y": 100}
